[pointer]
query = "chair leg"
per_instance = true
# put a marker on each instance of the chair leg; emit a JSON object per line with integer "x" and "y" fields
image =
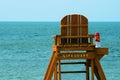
{"x": 87, "y": 70}
{"x": 59, "y": 70}
{"x": 92, "y": 69}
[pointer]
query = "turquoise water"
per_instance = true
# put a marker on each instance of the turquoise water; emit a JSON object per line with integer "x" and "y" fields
{"x": 25, "y": 49}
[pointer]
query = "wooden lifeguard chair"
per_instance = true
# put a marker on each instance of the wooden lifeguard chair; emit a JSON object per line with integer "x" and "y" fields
{"x": 74, "y": 43}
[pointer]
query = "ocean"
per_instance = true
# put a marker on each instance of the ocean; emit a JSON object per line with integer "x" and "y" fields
{"x": 26, "y": 48}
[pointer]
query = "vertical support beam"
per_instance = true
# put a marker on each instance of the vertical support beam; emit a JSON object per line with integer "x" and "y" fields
{"x": 58, "y": 40}
{"x": 91, "y": 41}
{"x": 97, "y": 74}
{"x": 55, "y": 72}
{"x": 59, "y": 70}
{"x": 92, "y": 69}
{"x": 87, "y": 70}
{"x": 55, "y": 40}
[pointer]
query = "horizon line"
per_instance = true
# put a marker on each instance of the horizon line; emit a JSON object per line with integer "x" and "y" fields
{"x": 55, "y": 21}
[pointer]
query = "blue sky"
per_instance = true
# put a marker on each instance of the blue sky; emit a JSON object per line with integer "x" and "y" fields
{"x": 54, "y": 10}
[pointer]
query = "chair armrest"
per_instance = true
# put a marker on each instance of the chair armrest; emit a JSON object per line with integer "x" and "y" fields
{"x": 56, "y": 39}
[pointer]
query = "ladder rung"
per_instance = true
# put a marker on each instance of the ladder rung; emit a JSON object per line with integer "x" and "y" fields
{"x": 65, "y": 72}
{"x": 63, "y": 63}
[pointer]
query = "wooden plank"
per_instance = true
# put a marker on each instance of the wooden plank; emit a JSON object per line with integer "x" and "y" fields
{"x": 65, "y": 63}
{"x": 75, "y": 48}
{"x": 65, "y": 72}
{"x": 84, "y": 47}
{"x": 81, "y": 36}
{"x": 86, "y": 36}
{"x": 101, "y": 50}
{"x": 74, "y": 25}
{"x": 88, "y": 55}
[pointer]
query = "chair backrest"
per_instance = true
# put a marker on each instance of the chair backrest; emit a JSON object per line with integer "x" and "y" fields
{"x": 74, "y": 25}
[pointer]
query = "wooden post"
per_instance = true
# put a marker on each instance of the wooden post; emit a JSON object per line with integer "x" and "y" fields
{"x": 91, "y": 41}
{"x": 59, "y": 70}
{"x": 87, "y": 70}
{"x": 55, "y": 72}
{"x": 92, "y": 69}
{"x": 100, "y": 70}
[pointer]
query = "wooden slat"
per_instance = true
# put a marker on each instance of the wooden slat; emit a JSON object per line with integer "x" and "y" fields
{"x": 87, "y": 36}
{"x": 74, "y": 25}
{"x": 65, "y": 63}
{"x": 65, "y": 72}
{"x": 83, "y": 36}
{"x": 60, "y": 48}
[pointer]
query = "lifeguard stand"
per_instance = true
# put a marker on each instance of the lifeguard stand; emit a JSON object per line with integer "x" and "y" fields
{"x": 74, "y": 43}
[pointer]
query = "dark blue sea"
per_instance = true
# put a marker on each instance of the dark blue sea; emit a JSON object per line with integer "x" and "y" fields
{"x": 25, "y": 49}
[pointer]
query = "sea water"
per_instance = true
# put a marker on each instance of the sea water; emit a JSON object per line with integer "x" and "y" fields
{"x": 26, "y": 48}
